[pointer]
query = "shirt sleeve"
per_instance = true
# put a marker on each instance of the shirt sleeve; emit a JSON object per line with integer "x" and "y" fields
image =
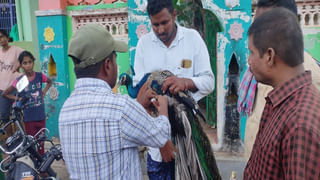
{"x": 138, "y": 63}
{"x": 139, "y": 128}
{"x": 44, "y": 78}
{"x": 203, "y": 77}
{"x": 301, "y": 156}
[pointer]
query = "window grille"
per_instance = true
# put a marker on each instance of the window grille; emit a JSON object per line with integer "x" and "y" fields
{"x": 7, "y": 14}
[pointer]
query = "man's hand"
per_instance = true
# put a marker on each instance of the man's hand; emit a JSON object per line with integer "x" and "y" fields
{"x": 145, "y": 95}
{"x": 161, "y": 103}
{"x": 168, "y": 151}
{"x": 175, "y": 85}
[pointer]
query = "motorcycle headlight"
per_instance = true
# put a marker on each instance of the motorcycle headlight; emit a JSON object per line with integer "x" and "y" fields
{"x": 13, "y": 141}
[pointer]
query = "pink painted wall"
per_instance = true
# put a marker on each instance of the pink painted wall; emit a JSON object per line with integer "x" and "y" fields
{"x": 91, "y": 2}
{"x": 52, "y": 4}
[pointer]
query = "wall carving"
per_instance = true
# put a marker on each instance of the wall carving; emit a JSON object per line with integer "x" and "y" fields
{"x": 236, "y": 31}
{"x": 308, "y": 12}
{"x": 114, "y": 20}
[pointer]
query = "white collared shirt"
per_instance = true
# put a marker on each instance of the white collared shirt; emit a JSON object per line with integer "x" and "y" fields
{"x": 187, "y": 57}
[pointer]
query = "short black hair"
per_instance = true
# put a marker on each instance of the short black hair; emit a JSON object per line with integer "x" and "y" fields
{"x": 5, "y": 33}
{"x": 279, "y": 29}
{"x": 90, "y": 71}
{"x": 155, "y": 6}
{"x": 25, "y": 54}
{"x": 289, "y": 4}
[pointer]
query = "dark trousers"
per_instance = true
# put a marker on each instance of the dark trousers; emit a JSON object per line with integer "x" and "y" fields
{"x": 160, "y": 170}
{"x": 33, "y": 127}
{"x": 5, "y": 106}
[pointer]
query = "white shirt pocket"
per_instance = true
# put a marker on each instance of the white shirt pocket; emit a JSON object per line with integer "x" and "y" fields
{"x": 185, "y": 69}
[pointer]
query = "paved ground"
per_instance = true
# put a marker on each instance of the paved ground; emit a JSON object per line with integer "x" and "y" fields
{"x": 228, "y": 162}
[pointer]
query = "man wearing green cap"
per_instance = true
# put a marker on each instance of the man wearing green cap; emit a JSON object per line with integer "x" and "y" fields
{"x": 100, "y": 131}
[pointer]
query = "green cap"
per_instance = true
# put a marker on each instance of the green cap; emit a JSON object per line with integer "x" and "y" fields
{"x": 92, "y": 43}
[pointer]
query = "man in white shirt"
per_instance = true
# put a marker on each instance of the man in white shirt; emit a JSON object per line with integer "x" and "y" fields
{"x": 179, "y": 50}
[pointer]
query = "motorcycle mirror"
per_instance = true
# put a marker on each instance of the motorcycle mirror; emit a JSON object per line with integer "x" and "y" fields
{"x": 22, "y": 83}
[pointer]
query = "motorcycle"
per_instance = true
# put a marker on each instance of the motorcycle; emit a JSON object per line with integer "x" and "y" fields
{"x": 24, "y": 162}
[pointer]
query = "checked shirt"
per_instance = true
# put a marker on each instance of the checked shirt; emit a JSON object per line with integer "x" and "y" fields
{"x": 100, "y": 132}
{"x": 287, "y": 145}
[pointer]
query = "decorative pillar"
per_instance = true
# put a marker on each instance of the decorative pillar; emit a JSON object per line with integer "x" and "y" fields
{"x": 302, "y": 22}
{"x": 311, "y": 19}
{"x": 53, "y": 44}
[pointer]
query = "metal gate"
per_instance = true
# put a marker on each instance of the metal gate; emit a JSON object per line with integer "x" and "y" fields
{"x": 7, "y": 14}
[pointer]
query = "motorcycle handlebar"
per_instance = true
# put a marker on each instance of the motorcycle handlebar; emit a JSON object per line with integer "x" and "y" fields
{"x": 53, "y": 154}
{"x": 3, "y": 161}
{"x": 16, "y": 121}
{"x": 24, "y": 139}
{"x": 44, "y": 167}
{"x": 2, "y": 129}
{"x": 14, "y": 150}
{"x": 40, "y": 131}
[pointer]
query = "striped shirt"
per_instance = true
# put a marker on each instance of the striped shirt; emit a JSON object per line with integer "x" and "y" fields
{"x": 100, "y": 132}
{"x": 287, "y": 144}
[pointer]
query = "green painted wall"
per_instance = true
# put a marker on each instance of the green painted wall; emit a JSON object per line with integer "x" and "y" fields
{"x": 213, "y": 27}
{"x": 28, "y": 45}
{"x": 312, "y": 41}
{"x": 27, "y": 23}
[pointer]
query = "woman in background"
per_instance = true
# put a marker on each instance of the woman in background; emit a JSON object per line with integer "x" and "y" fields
{"x": 9, "y": 66}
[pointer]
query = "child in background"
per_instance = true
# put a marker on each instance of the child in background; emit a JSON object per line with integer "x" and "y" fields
{"x": 34, "y": 113}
